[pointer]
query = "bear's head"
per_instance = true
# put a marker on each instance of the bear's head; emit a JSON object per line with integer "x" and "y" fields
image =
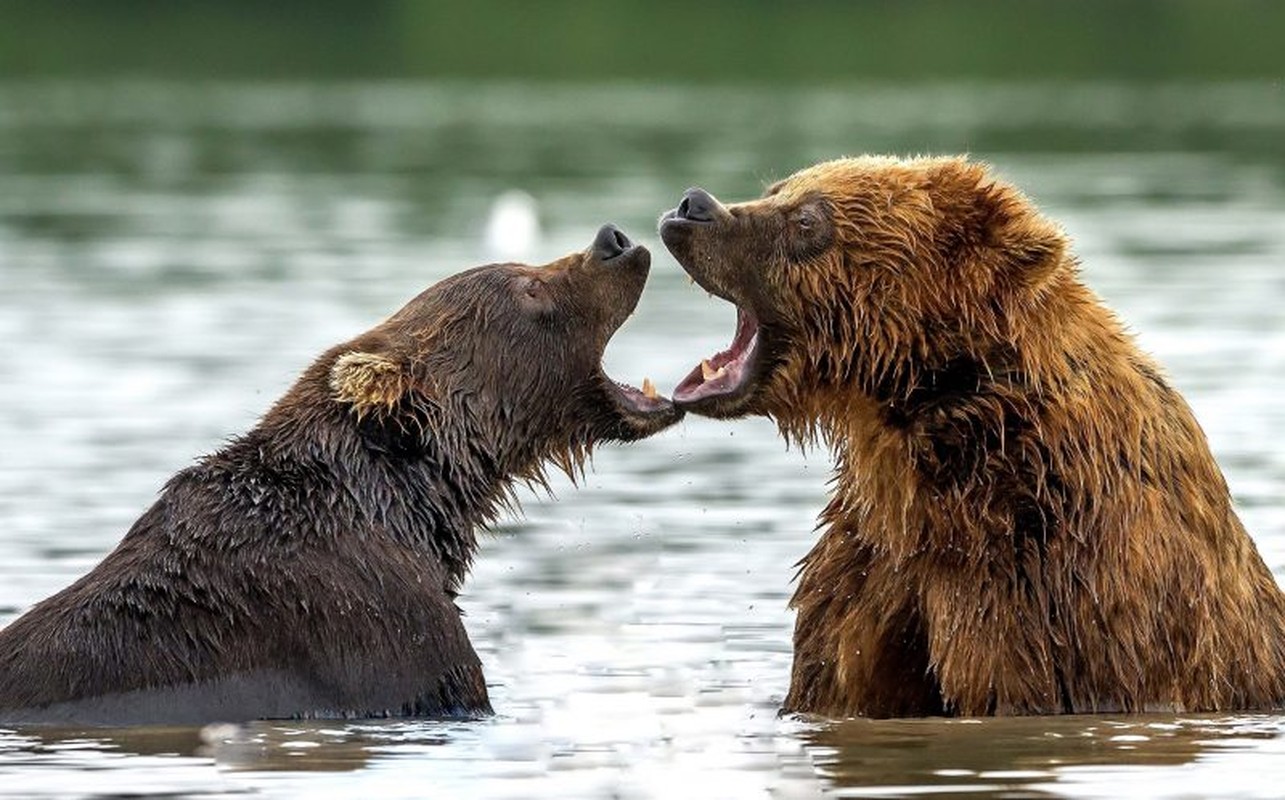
{"x": 502, "y": 365}
{"x": 869, "y": 274}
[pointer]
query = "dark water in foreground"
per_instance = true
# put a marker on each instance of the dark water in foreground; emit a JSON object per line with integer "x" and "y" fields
{"x": 172, "y": 255}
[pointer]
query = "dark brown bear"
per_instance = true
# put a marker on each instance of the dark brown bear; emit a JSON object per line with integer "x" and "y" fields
{"x": 1026, "y": 518}
{"x": 309, "y": 568}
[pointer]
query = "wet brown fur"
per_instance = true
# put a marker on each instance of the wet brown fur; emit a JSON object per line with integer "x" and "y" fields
{"x": 309, "y": 568}
{"x": 1026, "y": 518}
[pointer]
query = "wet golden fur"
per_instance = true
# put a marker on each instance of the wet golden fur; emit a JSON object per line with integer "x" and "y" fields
{"x": 1026, "y": 518}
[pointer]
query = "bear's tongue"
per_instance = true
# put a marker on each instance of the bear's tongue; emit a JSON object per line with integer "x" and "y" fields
{"x": 724, "y": 372}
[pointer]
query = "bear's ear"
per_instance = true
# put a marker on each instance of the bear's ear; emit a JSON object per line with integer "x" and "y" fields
{"x": 1030, "y": 248}
{"x": 990, "y": 219}
{"x": 367, "y": 381}
{"x": 1026, "y": 246}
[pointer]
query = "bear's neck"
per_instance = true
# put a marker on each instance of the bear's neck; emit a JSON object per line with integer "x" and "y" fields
{"x": 925, "y": 446}
{"x": 331, "y": 481}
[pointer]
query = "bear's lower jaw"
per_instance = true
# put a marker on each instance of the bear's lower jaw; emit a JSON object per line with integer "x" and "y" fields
{"x": 638, "y": 413}
{"x": 725, "y": 375}
{"x": 641, "y": 401}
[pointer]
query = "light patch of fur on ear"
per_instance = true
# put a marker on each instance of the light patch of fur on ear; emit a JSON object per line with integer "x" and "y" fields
{"x": 367, "y": 381}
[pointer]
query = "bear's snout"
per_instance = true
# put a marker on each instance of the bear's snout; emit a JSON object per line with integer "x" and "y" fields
{"x": 697, "y": 205}
{"x": 610, "y": 243}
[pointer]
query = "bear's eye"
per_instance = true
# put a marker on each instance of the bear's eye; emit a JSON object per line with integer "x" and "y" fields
{"x": 805, "y": 219}
{"x": 533, "y": 294}
{"x": 811, "y": 231}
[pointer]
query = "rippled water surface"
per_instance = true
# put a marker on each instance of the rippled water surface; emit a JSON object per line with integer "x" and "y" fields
{"x": 171, "y": 256}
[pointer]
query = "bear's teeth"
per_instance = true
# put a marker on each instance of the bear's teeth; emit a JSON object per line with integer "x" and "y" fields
{"x": 708, "y": 373}
{"x": 649, "y": 389}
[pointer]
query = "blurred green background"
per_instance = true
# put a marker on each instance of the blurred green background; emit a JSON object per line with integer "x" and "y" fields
{"x": 662, "y": 40}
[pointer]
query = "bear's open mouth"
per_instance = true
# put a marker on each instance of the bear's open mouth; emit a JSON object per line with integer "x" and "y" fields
{"x": 646, "y": 400}
{"x": 726, "y": 372}
{"x": 642, "y": 401}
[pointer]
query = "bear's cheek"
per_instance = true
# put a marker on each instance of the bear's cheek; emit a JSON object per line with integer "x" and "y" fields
{"x": 681, "y": 240}
{"x": 745, "y": 256}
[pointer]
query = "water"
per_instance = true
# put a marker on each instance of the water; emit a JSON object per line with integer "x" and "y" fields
{"x": 172, "y": 255}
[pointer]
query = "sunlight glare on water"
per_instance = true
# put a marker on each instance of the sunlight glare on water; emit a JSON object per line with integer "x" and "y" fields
{"x": 171, "y": 257}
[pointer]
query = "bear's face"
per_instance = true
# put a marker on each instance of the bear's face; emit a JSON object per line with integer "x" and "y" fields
{"x": 845, "y": 273}
{"x": 506, "y": 359}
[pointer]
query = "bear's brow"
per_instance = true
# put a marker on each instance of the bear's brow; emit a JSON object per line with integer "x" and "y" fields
{"x": 774, "y": 188}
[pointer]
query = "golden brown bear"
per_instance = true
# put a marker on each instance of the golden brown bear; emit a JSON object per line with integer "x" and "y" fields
{"x": 1026, "y": 517}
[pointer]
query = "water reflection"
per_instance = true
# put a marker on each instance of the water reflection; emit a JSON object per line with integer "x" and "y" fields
{"x": 260, "y": 746}
{"x": 172, "y": 255}
{"x": 1048, "y": 757}
{"x": 1075, "y": 756}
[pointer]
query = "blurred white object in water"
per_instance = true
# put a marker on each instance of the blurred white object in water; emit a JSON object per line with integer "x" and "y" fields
{"x": 512, "y": 227}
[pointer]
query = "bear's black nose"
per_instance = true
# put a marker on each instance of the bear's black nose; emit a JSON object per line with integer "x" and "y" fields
{"x": 610, "y": 242}
{"x": 698, "y": 206}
